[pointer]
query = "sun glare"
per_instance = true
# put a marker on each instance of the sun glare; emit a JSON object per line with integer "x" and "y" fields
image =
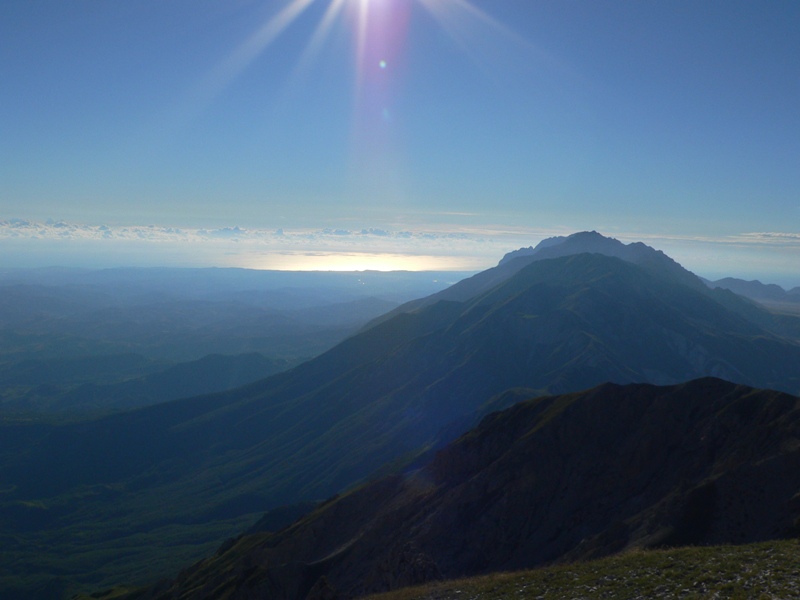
{"x": 380, "y": 34}
{"x": 357, "y": 261}
{"x": 379, "y": 30}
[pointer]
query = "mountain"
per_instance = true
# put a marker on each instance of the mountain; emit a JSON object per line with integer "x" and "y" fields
{"x": 553, "y": 479}
{"x": 755, "y": 290}
{"x": 185, "y": 474}
{"x": 592, "y": 242}
{"x": 584, "y": 242}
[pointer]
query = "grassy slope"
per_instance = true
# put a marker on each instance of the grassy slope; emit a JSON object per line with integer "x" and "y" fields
{"x": 145, "y": 557}
{"x": 765, "y": 570}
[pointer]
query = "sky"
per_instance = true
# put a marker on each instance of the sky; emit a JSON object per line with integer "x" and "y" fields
{"x": 398, "y": 134}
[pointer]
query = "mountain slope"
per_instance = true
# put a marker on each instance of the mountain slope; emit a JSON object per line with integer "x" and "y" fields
{"x": 553, "y": 479}
{"x": 201, "y": 467}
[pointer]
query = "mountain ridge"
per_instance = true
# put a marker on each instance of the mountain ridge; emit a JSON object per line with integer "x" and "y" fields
{"x": 695, "y": 463}
{"x": 754, "y": 289}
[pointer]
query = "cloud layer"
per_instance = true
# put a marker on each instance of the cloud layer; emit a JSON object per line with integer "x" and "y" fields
{"x": 31, "y": 243}
{"x": 276, "y": 248}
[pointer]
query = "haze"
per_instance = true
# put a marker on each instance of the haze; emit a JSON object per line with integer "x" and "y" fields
{"x": 397, "y": 134}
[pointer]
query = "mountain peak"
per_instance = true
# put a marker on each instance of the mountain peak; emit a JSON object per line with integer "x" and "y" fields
{"x": 593, "y": 242}
{"x": 582, "y": 242}
{"x": 576, "y": 243}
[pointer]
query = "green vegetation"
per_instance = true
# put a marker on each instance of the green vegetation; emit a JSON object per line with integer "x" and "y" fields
{"x": 60, "y": 390}
{"x": 755, "y": 571}
{"x": 82, "y": 548}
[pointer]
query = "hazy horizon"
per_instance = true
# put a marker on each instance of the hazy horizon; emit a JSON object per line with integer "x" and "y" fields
{"x": 398, "y": 134}
{"x": 336, "y": 251}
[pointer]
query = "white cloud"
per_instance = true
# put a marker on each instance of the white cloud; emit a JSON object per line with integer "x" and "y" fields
{"x": 771, "y": 237}
{"x": 236, "y": 245}
{"x": 507, "y": 237}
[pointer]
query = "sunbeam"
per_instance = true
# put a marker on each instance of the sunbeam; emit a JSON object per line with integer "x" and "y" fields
{"x": 318, "y": 39}
{"x": 466, "y": 25}
{"x": 244, "y": 54}
{"x": 380, "y": 36}
{"x": 379, "y": 32}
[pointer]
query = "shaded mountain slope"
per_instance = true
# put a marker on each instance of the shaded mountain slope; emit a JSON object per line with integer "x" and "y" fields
{"x": 202, "y": 466}
{"x": 552, "y": 479}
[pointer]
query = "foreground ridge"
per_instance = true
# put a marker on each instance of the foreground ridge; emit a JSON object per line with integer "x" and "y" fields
{"x": 765, "y": 570}
{"x": 551, "y": 480}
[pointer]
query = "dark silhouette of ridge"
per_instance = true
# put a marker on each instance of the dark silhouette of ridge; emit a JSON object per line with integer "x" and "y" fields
{"x": 552, "y": 479}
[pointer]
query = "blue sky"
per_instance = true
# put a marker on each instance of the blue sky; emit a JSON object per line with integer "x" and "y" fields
{"x": 398, "y": 133}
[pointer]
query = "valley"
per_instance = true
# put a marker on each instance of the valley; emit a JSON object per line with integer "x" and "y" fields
{"x": 77, "y": 341}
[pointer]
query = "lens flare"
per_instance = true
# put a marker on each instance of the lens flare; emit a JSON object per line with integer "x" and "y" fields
{"x": 380, "y": 33}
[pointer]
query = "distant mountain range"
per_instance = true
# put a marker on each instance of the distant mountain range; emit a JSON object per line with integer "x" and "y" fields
{"x": 571, "y": 314}
{"x": 553, "y": 479}
{"x": 74, "y": 342}
{"x": 757, "y": 290}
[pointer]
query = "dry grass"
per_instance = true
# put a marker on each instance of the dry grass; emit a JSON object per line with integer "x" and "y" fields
{"x": 768, "y": 570}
